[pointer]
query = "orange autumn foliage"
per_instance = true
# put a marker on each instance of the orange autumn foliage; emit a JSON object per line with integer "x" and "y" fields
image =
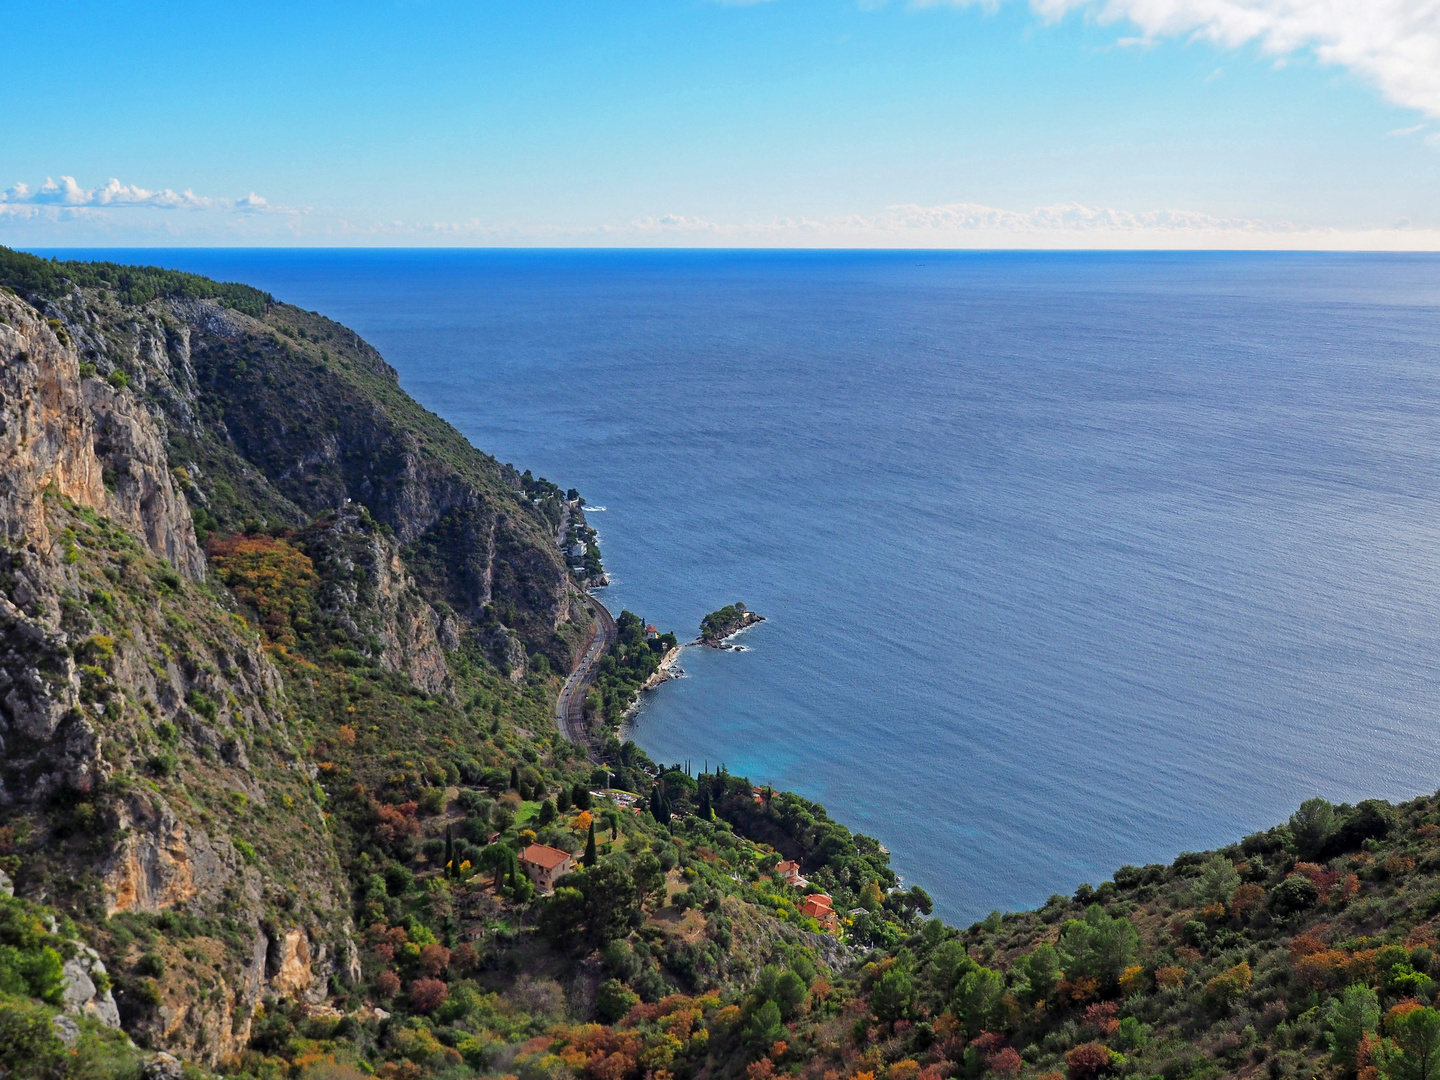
{"x": 1246, "y": 899}
{"x": 268, "y": 576}
{"x": 1132, "y": 980}
{"x": 1169, "y": 977}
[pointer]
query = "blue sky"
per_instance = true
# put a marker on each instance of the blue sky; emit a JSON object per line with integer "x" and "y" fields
{"x": 1113, "y": 123}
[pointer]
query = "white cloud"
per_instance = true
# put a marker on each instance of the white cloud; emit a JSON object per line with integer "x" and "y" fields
{"x": 1394, "y": 44}
{"x": 1411, "y": 130}
{"x": 950, "y": 225}
{"x": 69, "y": 195}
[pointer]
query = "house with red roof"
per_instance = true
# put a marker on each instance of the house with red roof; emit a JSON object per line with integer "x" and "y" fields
{"x": 819, "y": 907}
{"x": 545, "y": 865}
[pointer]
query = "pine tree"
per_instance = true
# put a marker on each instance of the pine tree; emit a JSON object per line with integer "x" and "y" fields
{"x": 590, "y": 856}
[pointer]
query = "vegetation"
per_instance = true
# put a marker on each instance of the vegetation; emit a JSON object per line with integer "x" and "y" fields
{"x": 719, "y": 625}
{"x": 130, "y": 284}
{"x": 626, "y": 668}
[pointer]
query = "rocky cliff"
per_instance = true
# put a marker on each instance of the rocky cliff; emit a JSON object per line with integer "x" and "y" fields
{"x": 165, "y": 715}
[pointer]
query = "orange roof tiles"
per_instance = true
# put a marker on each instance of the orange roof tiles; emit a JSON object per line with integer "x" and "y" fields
{"x": 545, "y": 857}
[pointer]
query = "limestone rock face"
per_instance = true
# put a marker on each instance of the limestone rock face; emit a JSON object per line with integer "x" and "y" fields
{"x": 162, "y": 862}
{"x": 90, "y": 442}
{"x": 82, "y": 996}
{"x": 368, "y": 590}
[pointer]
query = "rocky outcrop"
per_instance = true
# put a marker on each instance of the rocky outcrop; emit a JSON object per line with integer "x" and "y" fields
{"x": 83, "y": 439}
{"x": 141, "y": 493}
{"x": 83, "y": 995}
{"x": 366, "y": 588}
{"x": 162, "y": 862}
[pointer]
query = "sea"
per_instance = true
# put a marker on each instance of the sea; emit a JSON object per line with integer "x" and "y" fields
{"x": 1067, "y": 561}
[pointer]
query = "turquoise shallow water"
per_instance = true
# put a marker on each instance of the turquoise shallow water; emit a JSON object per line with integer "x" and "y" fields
{"x": 1069, "y": 560}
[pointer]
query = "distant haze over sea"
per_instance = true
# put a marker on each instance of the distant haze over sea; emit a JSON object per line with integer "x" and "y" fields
{"x": 1068, "y": 561}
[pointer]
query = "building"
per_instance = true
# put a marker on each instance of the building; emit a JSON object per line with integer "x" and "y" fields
{"x": 789, "y": 872}
{"x": 545, "y": 865}
{"x": 818, "y": 906}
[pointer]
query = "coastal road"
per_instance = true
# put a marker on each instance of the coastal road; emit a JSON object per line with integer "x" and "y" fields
{"x": 570, "y": 706}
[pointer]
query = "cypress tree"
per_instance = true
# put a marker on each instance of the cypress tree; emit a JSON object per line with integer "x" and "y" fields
{"x": 449, "y": 854}
{"x": 590, "y": 856}
{"x": 514, "y": 778}
{"x": 705, "y": 814}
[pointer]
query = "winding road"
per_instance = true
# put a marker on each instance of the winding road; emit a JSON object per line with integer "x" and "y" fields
{"x": 570, "y": 706}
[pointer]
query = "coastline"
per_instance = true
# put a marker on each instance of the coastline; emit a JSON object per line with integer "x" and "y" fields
{"x": 667, "y": 670}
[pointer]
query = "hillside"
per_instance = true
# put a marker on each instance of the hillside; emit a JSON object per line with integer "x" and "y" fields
{"x": 280, "y": 660}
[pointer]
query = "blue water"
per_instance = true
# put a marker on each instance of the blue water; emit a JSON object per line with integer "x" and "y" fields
{"x": 1069, "y": 561}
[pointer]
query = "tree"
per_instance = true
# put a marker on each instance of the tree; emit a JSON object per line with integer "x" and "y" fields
{"x": 893, "y": 995}
{"x": 790, "y": 992}
{"x": 1228, "y": 987}
{"x": 1295, "y": 893}
{"x": 1415, "y": 1053}
{"x": 615, "y": 1000}
{"x": 764, "y": 1026}
{"x": 1041, "y": 970}
{"x": 427, "y": 995}
{"x": 1098, "y": 946}
{"x": 598, "y": 903}
{"x": 1088, "y": 1060}
{"x": 659, "y": 808}
{"x": 1217, "y": 882}
{"x": 1005, "y": 1063}
{"x": 563, "y": 917}
{"x": 562, "y": 800}
{"x": 547, "y": 813}
{"x": 514, "y": 778}
{"x": 450, "y": 868}
{"x": 978, "y": 1000}
{"x": 386, "y": 985}
{"x": 1348, "y": 1018}
{"x": 871, "y": 898}
{"x": 1311, "y": 826}
{"x": 500, "y": 860}
{"x": 29, "y": 1045}
{"x": 590, "y": 857}
{"x": 948, "y": 961}
{"x": 649, "y": 878}
{"x": 580, "y": 797}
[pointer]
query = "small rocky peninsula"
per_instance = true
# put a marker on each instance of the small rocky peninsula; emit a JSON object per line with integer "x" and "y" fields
{"x": 719, "y": 626}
